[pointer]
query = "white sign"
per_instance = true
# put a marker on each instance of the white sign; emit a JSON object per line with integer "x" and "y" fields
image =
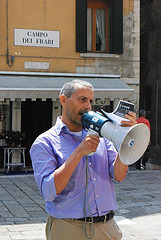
{"x": 37, "y": 65}
{"x": 36, "y": 38}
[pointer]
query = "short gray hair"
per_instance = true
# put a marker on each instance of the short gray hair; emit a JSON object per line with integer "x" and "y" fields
{"x": 69, "y": 88}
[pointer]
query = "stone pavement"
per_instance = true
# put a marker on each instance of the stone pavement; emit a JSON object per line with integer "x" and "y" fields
{"x": 139, "y": 205}
{"x": 23, "y": 216}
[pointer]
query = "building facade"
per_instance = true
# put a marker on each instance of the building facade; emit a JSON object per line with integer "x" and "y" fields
{"x": 47, "y": 43}
{"x": 151, "y": 65}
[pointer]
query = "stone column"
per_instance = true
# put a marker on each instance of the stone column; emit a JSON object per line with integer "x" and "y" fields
{"x": 16, "y": 126}
{"x": 115, "y": 103}
{"x": 56, "y": 111}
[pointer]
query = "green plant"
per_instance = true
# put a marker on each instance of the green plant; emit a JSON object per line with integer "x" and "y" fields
{"x": 14, "y": 137}
{"x": 154, "y": 154}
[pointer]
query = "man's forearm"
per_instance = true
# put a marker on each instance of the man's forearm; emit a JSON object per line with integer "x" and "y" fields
{"x": 120, "y": 169}
{"x": 64, "y": 172}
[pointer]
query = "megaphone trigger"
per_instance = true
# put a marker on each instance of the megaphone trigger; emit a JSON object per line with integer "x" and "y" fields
{"x": 91, "y": 131}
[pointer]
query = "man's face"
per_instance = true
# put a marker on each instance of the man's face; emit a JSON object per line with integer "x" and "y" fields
{"x": 74, "y": 107}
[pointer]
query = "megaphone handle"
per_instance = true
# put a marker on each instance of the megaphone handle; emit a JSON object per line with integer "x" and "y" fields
{"x": 91, "y": 132}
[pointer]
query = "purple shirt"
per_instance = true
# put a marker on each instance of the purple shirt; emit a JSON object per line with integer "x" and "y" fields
{"x": 50, "y": 150}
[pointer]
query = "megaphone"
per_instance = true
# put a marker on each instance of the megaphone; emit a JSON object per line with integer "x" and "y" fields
{"x": 130, "y": 142}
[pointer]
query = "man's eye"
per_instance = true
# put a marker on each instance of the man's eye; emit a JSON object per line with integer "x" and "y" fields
{"x": 83, "y": 99}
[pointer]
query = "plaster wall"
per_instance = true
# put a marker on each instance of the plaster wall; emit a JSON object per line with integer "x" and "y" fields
{"x": 54, "y": 15}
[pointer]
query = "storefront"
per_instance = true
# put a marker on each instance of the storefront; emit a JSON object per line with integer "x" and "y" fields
{"x": 47, "y": 44}
{"x": 30, "y": 101}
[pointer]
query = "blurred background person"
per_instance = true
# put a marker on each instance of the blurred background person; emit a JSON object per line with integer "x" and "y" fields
{"x": 141, "y": 163}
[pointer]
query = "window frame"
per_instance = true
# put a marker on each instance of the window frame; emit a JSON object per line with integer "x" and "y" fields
{"x": 102, "y": 4}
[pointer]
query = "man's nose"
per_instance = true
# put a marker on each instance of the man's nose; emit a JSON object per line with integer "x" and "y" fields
{"x": 89, "y": 105}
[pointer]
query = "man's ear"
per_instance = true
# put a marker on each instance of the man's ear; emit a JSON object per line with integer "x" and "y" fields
{"x": 63, "y": 99}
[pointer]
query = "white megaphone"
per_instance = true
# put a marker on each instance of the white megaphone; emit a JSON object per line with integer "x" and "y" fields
{"x": 130, "y": 142}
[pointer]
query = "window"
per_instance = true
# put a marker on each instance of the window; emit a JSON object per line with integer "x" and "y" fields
{"x": 104, "y": 104}
{"x": 4, "y": 117}
{"x": 99, "y": 26}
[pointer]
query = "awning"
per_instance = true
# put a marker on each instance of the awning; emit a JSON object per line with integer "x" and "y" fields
{"x": 48, "y": 87}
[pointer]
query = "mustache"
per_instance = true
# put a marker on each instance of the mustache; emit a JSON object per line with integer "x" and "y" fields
{"x": 83, "y": 111}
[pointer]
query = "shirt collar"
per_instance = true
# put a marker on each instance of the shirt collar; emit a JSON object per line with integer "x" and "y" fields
{"x": 61, "y": 127}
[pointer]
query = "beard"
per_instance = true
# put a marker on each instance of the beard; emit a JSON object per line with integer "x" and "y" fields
{"x": 75, "y": 118}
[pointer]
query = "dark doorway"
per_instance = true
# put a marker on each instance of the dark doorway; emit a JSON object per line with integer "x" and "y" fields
{"x": 36, "y": 118}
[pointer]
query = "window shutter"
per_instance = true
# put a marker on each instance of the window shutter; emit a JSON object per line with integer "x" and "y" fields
{"x": 81, "y": 25}
{"x": 116, "y": 26}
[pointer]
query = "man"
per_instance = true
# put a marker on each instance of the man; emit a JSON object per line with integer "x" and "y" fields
{"x": 141, "y": 163}
{"x": 60, "y": 161}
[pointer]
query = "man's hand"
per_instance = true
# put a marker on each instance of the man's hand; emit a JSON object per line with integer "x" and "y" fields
{"x": 120, "y": 169}
{"x": 64, "y": 172}
{"x": 89, "y": 144}
{"x": 131, "y": 120}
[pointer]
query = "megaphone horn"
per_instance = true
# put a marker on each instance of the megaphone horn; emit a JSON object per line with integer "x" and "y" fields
{"x": 130, "y": 142}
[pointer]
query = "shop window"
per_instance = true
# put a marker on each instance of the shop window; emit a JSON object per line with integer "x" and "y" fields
{"x": 4, "y": 117}
{"x": 99, "y": 26}
{"x": 104, "y": 104}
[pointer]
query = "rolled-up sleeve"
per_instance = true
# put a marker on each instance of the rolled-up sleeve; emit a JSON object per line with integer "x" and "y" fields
{"x": 44, "y": 164}
{"x": 112, "y": 154}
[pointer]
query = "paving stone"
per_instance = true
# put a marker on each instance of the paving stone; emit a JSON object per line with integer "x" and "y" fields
{"x": 23, "y": 214}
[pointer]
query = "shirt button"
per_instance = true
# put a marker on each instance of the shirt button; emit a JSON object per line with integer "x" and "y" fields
{"x": 97, "y": 196}
{"x": 90, "y": 163}
{"x": 94, "y": 179}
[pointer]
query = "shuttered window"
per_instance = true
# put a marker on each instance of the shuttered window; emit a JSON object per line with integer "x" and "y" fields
{"x": 90, "y": 13}
{"x": 98, "y": 25}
